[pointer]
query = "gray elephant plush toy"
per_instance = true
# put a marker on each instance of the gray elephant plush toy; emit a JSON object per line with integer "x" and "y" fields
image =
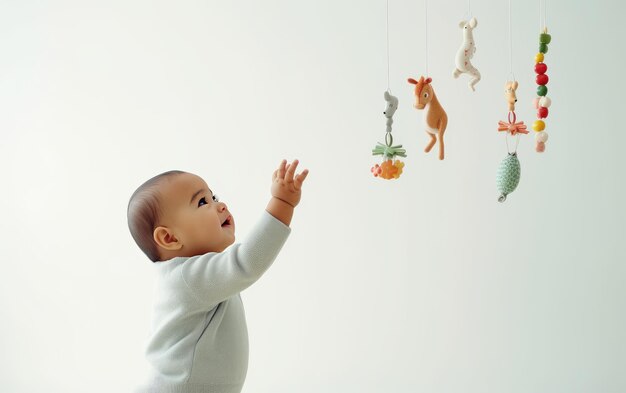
{"x": 392, "y": 105}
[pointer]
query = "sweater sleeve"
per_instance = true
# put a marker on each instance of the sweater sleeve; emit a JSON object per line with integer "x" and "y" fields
{"x": 214, "y": 277}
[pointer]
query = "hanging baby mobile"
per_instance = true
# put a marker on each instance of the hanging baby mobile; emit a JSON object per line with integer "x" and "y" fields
{"x": 542, "y": 102}
{"x": 391, "y": 167}
{"x": 467, "y": 50}
{"x": 509, "y": 172}
{"x": 435, "y": 117}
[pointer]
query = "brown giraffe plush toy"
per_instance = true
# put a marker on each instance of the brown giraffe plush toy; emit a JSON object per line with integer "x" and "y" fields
{"x": 435, "y": 118}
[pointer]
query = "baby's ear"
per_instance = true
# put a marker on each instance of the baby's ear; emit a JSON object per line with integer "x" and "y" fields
{"x": 164, "y": 238}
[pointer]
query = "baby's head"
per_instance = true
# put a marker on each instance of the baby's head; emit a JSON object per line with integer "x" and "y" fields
{"x": 175, "y": 214}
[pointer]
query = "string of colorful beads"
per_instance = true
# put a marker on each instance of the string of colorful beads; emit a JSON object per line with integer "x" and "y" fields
{"x": 542, "y": 102}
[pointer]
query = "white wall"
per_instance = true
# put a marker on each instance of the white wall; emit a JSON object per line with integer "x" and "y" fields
{"x": 425, "y": 284}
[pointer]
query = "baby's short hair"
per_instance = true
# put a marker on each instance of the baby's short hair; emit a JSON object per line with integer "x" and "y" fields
{"x": 144, "y": 212}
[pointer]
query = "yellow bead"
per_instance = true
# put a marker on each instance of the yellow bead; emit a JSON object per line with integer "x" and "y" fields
{"x": 539, "y": 58}
{"x": 539, "y": 125}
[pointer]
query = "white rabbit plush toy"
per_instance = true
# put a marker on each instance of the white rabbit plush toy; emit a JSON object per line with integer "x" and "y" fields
{"x": 466, "y": 52}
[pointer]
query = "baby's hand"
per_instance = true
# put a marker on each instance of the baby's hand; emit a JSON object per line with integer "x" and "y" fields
{"x": 286, "y": 186}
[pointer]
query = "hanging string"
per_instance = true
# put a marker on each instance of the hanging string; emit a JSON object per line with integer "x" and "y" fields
{"x": 388, "y": 86}
{"x": 540, "y": 22}
{"x": 510, "y": 45}
{"x": 426, "y": 24}
{"x": 468, "y": 12}
{"x": 506, "y": 138}
{"x": 543, "y": 27}
{"x": 545, "y": 14}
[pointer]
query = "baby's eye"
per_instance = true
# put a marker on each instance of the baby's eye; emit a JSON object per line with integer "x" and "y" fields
{"x": 215, "y": 198}
{"x": 200, "y": 202}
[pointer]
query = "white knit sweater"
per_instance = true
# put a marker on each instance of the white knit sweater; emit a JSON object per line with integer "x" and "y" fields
{"x": 199, "y": 340}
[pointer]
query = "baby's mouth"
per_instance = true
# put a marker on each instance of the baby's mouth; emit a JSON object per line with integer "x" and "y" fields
{"x": 227, "y": 222}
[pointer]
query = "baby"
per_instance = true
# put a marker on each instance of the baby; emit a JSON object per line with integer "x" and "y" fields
{"x": 199, "y": 340}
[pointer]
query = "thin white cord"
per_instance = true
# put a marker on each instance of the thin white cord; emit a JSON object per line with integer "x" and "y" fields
{"x": 545, "y": 15}
{"x": 469, "y": 8}
{"x": 426, "y": 24}
{"x": 506, "y": 138}
{"x": 510, "y": 44}
{"x": 543, "y": 20}
{"x": 388, "y": 85}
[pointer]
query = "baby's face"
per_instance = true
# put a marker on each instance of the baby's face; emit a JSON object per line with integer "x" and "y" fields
{"x": 195, "y": 217}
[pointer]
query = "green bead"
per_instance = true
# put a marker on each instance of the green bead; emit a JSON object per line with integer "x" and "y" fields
{"x": 542, "y": 90}
{"x": 545, "y": 38}
{"x": 543, "y": 48}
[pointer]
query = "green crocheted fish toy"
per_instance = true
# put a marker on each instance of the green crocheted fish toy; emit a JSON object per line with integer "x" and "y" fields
{"x": 508, "y": 176}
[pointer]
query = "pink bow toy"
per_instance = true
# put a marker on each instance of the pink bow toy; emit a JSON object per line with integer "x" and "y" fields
{"x": 513, "y": 128}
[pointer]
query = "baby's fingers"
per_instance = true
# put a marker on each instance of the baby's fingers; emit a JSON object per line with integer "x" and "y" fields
{"x": 291, "y": 170}
{"x": 300, "y": 179}
{"x": 281, "y": 169}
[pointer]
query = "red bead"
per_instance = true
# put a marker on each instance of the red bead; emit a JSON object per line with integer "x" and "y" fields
{"x": 541, "y": 68}
{"x": 542, "y": 79}
{"x": 542, "y": 112}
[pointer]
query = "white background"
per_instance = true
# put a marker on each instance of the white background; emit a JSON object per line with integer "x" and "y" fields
{"x": 422, "y": 284}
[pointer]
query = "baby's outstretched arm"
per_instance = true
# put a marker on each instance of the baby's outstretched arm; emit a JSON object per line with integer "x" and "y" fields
{"x": 286, "y": 191}
{"x": 214, "y": 277}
